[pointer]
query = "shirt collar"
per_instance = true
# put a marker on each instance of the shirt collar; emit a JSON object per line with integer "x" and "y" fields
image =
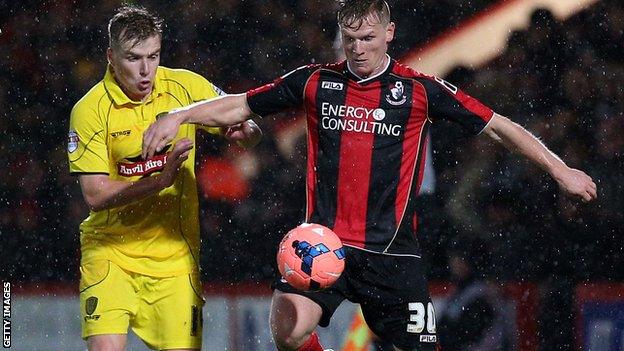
{"x": 364, "y": 80}
{"x": 120, "y": 98}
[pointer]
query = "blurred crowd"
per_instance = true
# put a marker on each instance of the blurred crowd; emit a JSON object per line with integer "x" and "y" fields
{"x": 560, "y": 80}
{"x": 54, "y": 51}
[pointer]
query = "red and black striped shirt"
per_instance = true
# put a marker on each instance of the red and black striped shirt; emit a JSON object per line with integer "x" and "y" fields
{"x": 366, "y": 145}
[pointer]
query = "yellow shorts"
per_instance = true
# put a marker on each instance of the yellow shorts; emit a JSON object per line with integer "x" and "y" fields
{"x": 166, "y": 313}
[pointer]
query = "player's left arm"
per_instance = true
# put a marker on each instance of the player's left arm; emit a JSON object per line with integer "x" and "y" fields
{"x": 246, "y": 134}
{"x": 515, "y": 138}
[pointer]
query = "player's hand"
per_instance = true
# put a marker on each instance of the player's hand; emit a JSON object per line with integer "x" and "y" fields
{"x": 159, "y": 134}
{"x": 576, "y": 183}
{"x": 176, "y": 157}
{"x": 246, "y": 134}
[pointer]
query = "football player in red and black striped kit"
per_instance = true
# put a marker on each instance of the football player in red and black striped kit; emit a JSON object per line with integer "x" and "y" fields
{"x": 367, "y": 121}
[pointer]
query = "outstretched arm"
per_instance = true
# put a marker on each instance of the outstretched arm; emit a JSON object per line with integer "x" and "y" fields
{"x": 517, "y": 139}
{"x": 222, "y": 111}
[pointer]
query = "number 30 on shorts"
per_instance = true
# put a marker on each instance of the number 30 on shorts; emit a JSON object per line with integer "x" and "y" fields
{"x": 418, "y": 317}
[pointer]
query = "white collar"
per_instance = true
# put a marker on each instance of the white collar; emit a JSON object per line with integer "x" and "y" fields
{"x": 362, "y": 80}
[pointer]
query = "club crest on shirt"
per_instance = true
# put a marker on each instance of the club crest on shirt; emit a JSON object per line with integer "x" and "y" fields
{"x": 72, "y": 141}
{"x": 397, "y": 94}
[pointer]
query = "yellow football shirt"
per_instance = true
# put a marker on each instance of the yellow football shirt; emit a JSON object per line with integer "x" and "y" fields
{"x": 157, "y": 235}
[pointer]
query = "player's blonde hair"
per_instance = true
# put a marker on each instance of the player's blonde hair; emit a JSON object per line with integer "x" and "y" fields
{"x": 353, "y": 12}
{"x": 132, "y": 24}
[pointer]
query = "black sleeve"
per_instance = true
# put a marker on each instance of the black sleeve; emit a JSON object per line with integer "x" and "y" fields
{"x": 283, "y": 93}
{"x": 447, "y": 102}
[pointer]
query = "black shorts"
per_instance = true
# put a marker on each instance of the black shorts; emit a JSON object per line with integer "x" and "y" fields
{"x": 393, "y": 294}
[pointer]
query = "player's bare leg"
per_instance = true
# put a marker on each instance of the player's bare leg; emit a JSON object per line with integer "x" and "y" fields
{"x": 107, "y": 342}
{"x": 293, "y": 320}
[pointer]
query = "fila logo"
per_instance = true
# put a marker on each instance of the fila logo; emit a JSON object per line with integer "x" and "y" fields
{"x": 428, "y": 338}
{"x": 332, "y": 85}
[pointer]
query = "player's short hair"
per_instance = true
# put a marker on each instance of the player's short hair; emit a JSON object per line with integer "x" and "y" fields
{"x": 132, "y": 24}
{"x": 353, "y": 12}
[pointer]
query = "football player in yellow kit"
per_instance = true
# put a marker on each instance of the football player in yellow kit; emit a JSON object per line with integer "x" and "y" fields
{"x": 140, "y": 243}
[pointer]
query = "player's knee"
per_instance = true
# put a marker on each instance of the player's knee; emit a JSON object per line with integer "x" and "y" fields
{"x": 290, "y": 341}
{"x": 287, "y": 334}
{"x": 293, "y": 319}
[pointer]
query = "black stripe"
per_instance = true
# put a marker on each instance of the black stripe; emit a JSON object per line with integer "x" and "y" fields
{"x": 444, "y": 105}
{"x": 180, "y": 205}
{"x": 86, "y": 147}
{"x": 176, "y": 98}
{"x": 406, "y": 240}
{"x": 106, "y": 138}
{"x": 182, "y": 86}
{"x": 386, "y": 162}
{"x": 328, "y": 150}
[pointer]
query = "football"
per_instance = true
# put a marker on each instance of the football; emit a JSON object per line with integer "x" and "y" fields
{"x": 311, "y": 257}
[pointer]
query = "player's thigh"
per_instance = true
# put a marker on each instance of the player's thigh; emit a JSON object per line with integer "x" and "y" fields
{"x": 293, "y": 315}
{"x": 107, "y": 298}
{"x": 107, "y": 342}
{"x": 170, "y": 313}
{"x": 396, "y": 303}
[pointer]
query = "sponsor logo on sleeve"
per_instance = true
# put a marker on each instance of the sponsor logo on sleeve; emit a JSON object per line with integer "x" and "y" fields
{"x": 450, "y": 87}
{"x": 72, "y": 141}
{"x": 219, "y": 91}
{"x": 90, "y": 306}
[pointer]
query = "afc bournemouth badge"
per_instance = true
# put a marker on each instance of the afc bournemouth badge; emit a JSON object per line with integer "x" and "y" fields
{"x": 72, "y": 141}
{"x": 397, "y": 96}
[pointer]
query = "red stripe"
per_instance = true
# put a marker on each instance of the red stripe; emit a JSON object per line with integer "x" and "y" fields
{"x": 263, "y": 88}
{"x": 411, "y": 144}
{"x": 312, "y": 124}
{"x": 475, "y": 106}
{"x": 354, "y": 170}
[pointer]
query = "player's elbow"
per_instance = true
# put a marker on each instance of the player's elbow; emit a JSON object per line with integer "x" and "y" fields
{"x": 94, "y": 202}
{"x": 492, "y": 134}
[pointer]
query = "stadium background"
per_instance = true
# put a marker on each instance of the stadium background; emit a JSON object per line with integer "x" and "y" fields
{"x": 560, "y": 79}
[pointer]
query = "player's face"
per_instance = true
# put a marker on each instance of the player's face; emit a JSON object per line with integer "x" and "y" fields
{"x": 134, "y": 67}
{"x": 365, "y": 46}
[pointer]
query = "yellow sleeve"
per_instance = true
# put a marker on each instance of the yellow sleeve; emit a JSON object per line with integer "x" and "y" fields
{"x": 202, "y": 89}
{"x": 86, "y": 142}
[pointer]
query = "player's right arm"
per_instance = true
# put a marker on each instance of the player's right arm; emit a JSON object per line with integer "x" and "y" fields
{"x": 101, "y": 192}
{"x": 515, "y": 138}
